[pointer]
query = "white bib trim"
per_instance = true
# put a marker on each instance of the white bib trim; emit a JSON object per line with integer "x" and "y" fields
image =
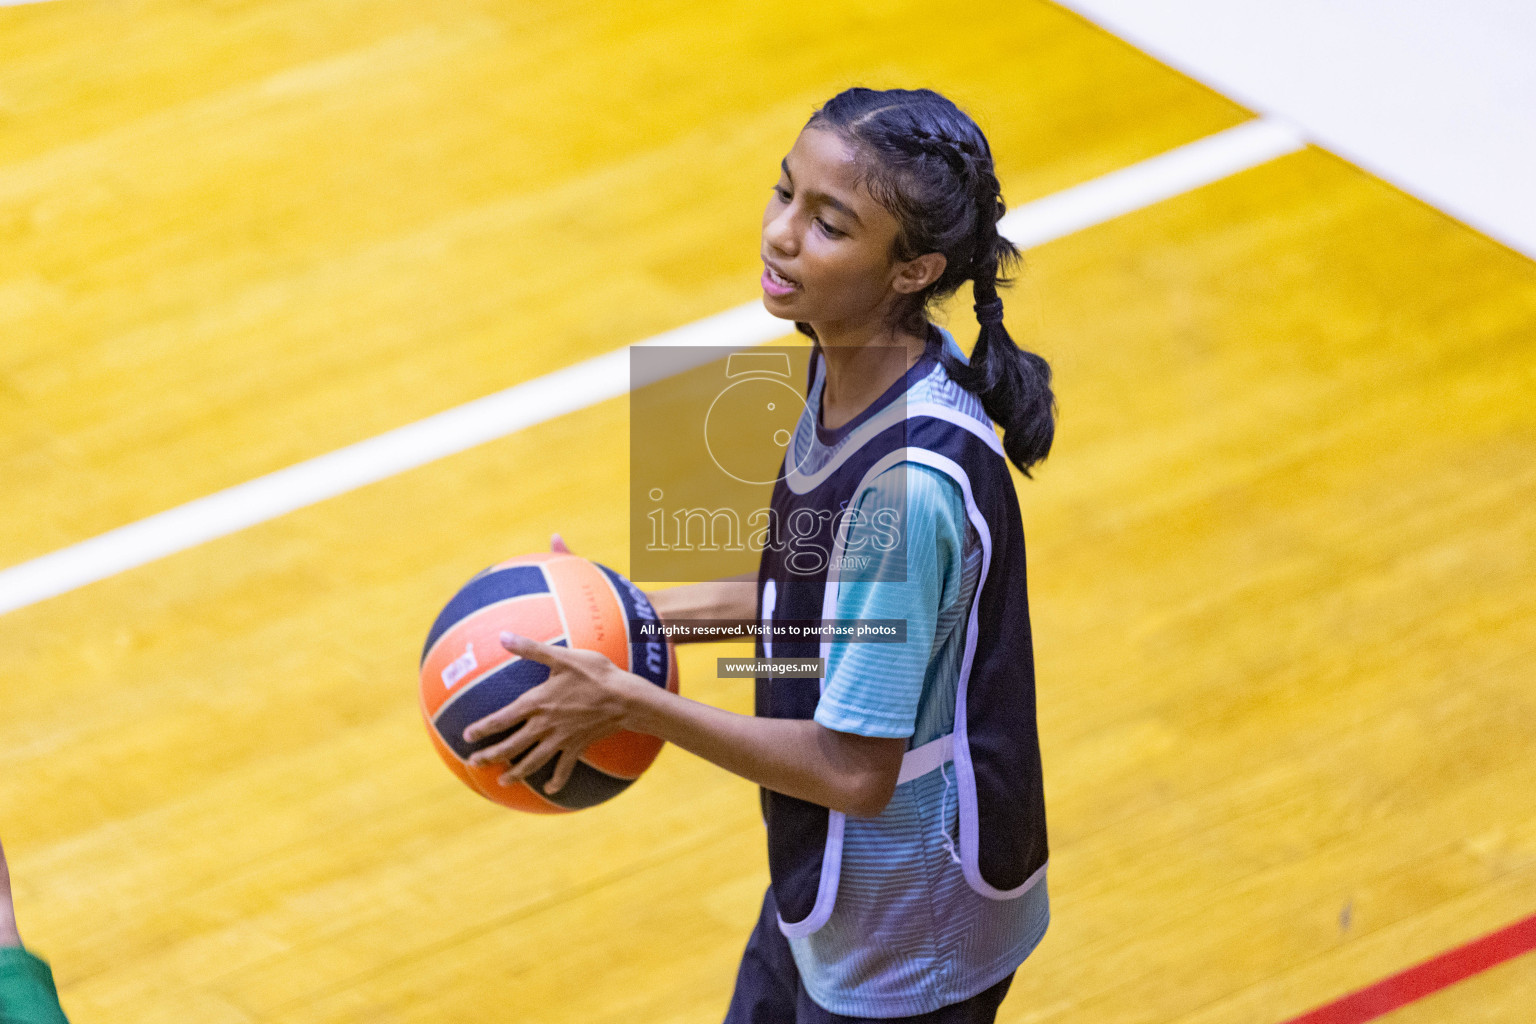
{"x": 919, "y": 761}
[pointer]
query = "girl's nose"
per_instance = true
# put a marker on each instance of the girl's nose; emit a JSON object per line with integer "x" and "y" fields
{"x": 779, "y": 232}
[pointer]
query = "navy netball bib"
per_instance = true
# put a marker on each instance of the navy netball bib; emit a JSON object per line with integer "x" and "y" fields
{"x": 994, "y": 744}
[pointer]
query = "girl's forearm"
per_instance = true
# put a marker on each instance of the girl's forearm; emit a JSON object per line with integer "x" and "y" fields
{"x": 733, "y": 598}
{"x": 799, "y": 758}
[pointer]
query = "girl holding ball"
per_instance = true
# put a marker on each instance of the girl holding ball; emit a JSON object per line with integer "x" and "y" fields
{"x": 902, "y": 792}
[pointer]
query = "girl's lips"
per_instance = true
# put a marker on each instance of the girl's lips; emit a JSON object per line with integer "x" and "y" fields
{"x": 775, "y": 286}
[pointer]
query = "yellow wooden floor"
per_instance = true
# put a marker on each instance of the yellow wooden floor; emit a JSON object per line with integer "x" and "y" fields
{"x": 1283, "y": 558}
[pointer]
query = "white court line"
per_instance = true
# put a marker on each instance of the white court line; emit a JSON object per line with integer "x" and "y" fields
{"x": 1150, "y": 181}
{"x": 587, "y": 383}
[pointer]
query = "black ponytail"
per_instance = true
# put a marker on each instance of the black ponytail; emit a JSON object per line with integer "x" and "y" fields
{"x": 1014, "y": 385}
{"x": 927, "y": 162}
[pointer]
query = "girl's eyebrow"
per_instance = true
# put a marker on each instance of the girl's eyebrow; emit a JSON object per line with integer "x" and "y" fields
{"x": 822, "y": 197}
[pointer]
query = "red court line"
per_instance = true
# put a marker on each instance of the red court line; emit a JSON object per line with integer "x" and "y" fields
{"x": 1428, "y": 977}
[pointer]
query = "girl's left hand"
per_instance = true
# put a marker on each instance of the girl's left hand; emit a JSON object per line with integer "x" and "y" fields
{"x": 581, "y": 702}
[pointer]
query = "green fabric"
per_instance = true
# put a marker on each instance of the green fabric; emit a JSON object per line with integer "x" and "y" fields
{"x": 27, "y": 995}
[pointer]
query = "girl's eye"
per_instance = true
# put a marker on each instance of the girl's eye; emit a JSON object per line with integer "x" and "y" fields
{"x": 829, "y": 230}
{"x": 782, "y": 193}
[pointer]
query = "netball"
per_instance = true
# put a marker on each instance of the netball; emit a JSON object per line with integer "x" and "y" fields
{"x": 559, "y": 599}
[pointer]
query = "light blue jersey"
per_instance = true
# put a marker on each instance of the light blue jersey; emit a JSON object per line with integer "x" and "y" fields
{"x": 907, "y": 934}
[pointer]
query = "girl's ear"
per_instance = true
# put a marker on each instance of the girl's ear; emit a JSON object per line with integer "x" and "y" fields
{"x": 914, "y": 275}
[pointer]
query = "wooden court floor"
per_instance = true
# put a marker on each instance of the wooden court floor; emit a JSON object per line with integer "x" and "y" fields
{"x": 1283, "y": 557}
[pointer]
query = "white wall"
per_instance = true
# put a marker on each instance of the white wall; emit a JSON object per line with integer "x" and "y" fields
{"x": 1437, "y": 97}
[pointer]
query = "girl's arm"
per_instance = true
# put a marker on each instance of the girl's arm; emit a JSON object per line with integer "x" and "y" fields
{"x": 587, "y": 697}
{"x": 733, "y": 598}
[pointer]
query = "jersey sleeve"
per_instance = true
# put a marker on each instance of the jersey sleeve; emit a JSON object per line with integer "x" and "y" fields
{"x": 27, "y": 995}
{"x": 873, "y": 689}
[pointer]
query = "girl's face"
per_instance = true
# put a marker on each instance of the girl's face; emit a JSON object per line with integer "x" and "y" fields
{"x": 827, "y": 243}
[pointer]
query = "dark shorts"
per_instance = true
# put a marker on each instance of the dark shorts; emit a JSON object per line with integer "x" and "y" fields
{"x": 768, "y": 988}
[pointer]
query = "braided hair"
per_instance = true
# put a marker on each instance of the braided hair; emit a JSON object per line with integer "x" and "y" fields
{"x": 925, "y": 161}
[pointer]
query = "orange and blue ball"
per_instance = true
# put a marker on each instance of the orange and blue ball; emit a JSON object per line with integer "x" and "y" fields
{"x": 466, "y": 673}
